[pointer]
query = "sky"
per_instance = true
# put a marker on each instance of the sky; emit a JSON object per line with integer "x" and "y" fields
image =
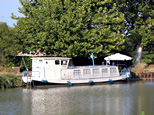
{"x": 6, "y": 8}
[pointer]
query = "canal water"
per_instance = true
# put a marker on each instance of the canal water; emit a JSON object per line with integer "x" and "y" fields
{"x": 111, "y": 99}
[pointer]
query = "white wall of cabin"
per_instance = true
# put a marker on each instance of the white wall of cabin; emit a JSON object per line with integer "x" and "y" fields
{"x": 52, "y": 71}
{"x": 38, "y": 70}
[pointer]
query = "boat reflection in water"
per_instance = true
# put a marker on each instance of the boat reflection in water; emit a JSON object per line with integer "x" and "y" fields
{"x": 116, "y": 99}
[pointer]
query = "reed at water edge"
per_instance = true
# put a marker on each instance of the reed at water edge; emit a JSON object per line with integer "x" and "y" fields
{"x": 10, "y": 81}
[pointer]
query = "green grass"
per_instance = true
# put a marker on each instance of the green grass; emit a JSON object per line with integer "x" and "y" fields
{"x": 10, "y": 81}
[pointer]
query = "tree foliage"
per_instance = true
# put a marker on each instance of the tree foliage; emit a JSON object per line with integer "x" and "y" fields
{"x": 79, "y": 27}
{"x": 139, "y": 25}
{"x": 9, "y": 44}
{"x": 71, "y": 27}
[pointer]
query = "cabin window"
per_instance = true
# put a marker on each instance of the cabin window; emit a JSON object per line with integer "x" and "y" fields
{"x": 46, "y": 62}
{"x": 40, "y": 61}
{"x": 64, "y": 62}
{"x": 77, "y": 74}
{"x": 70, "y": 63}
{"x": 95, "y": 72}
{"x": 57, "y": 62}
{"x": 104, "y": 72}
{"x": 113, "y": 72}
{"x": 86, "y": 73}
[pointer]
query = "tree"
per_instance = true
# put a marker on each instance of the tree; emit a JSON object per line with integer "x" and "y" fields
{"x": 144, "y": 27}
{"x": 71, "y": 28}
{"x": 139, "y": 25}
{"x": 9, "y": 44}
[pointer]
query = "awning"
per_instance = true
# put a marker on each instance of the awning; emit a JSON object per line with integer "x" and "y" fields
{"x": 118, "y": 56}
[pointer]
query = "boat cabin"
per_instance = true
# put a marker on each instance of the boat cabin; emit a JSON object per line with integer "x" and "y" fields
{"x": 48, "y": 67}
{"x": 58, "y": 68}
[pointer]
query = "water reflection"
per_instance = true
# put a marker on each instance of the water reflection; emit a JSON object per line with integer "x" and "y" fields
{"x": 115, "y": 99}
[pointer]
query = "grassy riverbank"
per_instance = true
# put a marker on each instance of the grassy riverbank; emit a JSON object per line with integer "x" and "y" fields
{"x": 10, "y": 81}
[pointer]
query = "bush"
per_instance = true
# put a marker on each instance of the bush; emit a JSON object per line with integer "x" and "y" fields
{"x": 140, "y": 68}
{"x": 9, "y": 81}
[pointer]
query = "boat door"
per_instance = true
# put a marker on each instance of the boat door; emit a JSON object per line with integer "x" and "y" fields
{"x": 57, "y": 69}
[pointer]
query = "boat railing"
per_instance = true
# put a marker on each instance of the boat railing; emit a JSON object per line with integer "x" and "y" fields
{"x": 27, "y": 77}
{"x": 126, "y": 71}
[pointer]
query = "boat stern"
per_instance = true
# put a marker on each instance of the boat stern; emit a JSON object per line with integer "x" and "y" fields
{"x": 26, "y": 77}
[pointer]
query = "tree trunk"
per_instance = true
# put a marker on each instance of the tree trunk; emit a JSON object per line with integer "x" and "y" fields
{"x": 138, "y": 55}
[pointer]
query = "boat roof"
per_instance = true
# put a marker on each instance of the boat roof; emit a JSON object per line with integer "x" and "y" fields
{"x": 51, "y": 58}
{"x": 90, "y": 66}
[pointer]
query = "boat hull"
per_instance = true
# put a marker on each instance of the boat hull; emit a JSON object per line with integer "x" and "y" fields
{"x": 77, "y": 82}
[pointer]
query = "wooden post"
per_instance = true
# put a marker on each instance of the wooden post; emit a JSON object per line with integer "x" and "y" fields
{"x": 24, "y": 63}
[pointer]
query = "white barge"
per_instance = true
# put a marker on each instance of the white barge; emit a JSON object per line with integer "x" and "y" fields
{"x": 59, "y": 71}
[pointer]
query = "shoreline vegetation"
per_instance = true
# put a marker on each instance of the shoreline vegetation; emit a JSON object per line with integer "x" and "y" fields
{"x": 143, "y": 71}
{"x": 10, "y": 81}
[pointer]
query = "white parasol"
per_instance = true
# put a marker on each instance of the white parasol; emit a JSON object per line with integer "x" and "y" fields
{"x": 118, "y": 56}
